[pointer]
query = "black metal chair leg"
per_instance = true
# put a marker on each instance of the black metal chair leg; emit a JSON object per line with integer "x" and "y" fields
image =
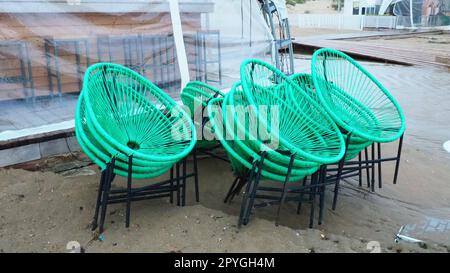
{"x": 177, "y": 167}
{"x": 171, "y": 186}
{"x": 312, "y": 199}
{"x": 283, "y": 195}
{"x": 299, "y": 207}
{"x": 360, "y": 169}
{"x": 183, "y": 195}
{"x": 246, "y": 196}
{"x": 99, "y": 200}
{"x": 240, "y": 185}
{"x": 372, "y": 180}
{"x": 254, "y": 189}
{"x": 397, "y": 164}
{"x": 197, "y": 190}
{"x": 380, "y": 177}
{"x": 339, "y": 174}
{"x": 130, "y": 173}
{"x": 231, "y": 190}
{"x": 322, "y": 179}
{"x": 337, "y": 184}
{"x": 366, "y": 151}
{"x": 107, "y": 185}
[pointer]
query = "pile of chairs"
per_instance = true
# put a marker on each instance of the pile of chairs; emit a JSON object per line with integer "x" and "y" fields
{"x": 302, "y": 132}
{"x": 131, "y": 128}
{"x": 322, "y": 122}
{"x": 362, "y": 107}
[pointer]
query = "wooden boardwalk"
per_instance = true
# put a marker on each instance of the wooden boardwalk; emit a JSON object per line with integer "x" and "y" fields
{"x": 359, "y": 45}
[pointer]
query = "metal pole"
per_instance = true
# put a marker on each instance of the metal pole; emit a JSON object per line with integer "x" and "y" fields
{"x": 179, "y": 42}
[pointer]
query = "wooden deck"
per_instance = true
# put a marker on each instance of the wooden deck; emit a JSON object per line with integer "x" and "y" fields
{"x": 360, "y": 45}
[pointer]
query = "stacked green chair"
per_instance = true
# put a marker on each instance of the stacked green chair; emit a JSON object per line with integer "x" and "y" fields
{"x": 129, "y": 127}
{"x": 359, "y": 104}
{"x": 196, "y": 96}
{"x": 304, "y": 129}
{"x": 300, "y": 142}
{"x": 246, "y": 164}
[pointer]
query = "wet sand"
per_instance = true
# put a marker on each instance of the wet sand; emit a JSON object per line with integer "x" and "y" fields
{"x": 43, "y": 211}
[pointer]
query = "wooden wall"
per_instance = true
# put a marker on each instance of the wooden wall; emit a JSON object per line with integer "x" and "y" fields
{"x": 35, "y": 27}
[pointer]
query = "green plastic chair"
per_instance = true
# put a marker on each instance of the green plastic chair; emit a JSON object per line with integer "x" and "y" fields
{"x": 360, "y": 105}
{"x": 275, "y": 161}
{"x": 129, "y": 127}
{"x": 277, "y": 158}
{"x": 356, "y": 100}
{"x": 121, "y": 114}
{"x": 251, "y": 157}
{"x": 304, "y": 127}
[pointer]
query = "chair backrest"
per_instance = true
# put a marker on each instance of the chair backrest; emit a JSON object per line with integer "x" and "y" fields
{"x": 355, "y": 99}
{"x": 125, "y": 108}
{"x": 305, "y": 128}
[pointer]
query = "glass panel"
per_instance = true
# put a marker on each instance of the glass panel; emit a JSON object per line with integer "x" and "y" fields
{"x": 228, "y": 33}
{"x": 47, "y": 45}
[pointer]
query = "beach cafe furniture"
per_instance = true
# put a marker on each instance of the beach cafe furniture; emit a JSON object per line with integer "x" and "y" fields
{"x": 308, "y": 141}
{"x": 131, "y": 128}
{"x": 196, "y": 96}
{"x": 366, "y": 113}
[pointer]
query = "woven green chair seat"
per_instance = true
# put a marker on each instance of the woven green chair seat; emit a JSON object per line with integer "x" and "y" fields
{"x": 240, "y": 161}
{"x": 126, "y": 115}
{"x": 356, "y": 144}
{"x": 235, "y": 99}
{"x": 94, "y": 149}
{"x": 304, "y": 127}
{"x": 275, "y": 162}
{"x": 354, "y": 98}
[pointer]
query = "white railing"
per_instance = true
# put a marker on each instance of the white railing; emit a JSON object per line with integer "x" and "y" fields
{"x": 380, "y": 21}
{"x": 339, "y": 21}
